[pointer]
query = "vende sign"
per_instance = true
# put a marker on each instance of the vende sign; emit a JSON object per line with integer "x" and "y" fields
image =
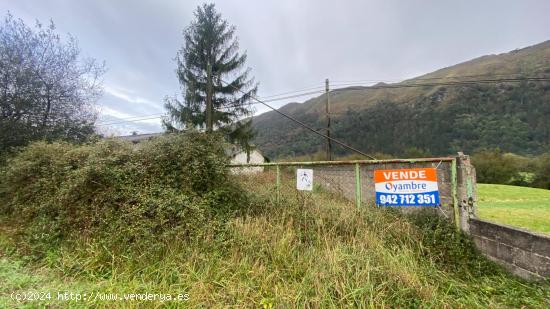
{"x": 406, "y": 187}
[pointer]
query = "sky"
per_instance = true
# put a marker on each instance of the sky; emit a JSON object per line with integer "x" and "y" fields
{"x": 291, "y": 44}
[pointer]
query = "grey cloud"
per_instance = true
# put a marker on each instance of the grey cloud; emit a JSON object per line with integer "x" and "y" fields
{"x": 290, "y": 44}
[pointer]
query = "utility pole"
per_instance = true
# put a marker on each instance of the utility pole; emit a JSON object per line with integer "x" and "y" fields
{"x": 209, "y": 107}
{"x": 329, "y": 145}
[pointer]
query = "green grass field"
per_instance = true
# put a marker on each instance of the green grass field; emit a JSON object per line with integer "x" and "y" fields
{"x": 523, "y": 207}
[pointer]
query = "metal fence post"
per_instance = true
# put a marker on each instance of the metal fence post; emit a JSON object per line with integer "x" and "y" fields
{"x": 357, "y": 185}
{"x": 278, "y": 183}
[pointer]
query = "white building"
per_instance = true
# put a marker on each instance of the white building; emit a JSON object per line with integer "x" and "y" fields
{"x": 236, "y": 154}
{"x": 239, "y": 156}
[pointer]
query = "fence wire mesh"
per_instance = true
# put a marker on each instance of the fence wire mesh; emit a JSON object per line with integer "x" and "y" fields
{"x": 353, "y": 180}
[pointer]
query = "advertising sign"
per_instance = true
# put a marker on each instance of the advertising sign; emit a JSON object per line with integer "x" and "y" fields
{"x": 406, "y": 187}
{"x": 304, "y": 179}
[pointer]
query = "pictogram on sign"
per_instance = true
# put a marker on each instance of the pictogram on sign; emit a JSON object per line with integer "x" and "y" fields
{"x": 304, "y": 179}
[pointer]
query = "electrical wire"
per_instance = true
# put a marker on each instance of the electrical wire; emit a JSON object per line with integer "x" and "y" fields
{"x": 291, "y": 92}
{"x": 125, "y": 121}
{"x": 148, "y": 117}
{"x": 273, "y": 100}
{"x": 303, "y": 124}
{"x": 128, "y": 118}
{"x": 456, "y": 83}
{"x": 429, "y": 78}
{"x": 403, "y": 84}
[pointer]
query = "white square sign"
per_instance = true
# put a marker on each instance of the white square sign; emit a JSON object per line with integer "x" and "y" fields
{"x": 304, "y": 179}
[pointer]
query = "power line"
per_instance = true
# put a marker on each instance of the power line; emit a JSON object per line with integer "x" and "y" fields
{"x": 302, "y": 124}
{"x": 149, "y": 117}
{"x": 294, "y": 96}
{"x": 291, "y": 92}
{"x": 119, "y": 122}
{"x": 451, "y": 83}
{"x": 456, "y": 83}
{"x": 408, "y": 85}
{"x": 277, "y": 99}
{"x": 386, "y": 86}
{"x": 127, "y": 118}
{"x": 390, "y": 86}
{"x": 429, "y": 78}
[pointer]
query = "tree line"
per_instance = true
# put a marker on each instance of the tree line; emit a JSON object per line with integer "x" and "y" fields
{"x": 494, "y": 166}
{"x": 512, "y": 117}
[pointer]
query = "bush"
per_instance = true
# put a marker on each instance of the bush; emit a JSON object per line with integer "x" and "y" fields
{"x": 494, "y": 167}
{"x": 542, "y": 174}
{"x": 452, "y": 250}
{"x": 172, "y": 186}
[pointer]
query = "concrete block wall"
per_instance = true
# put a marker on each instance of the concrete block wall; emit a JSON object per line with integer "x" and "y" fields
{"x": 341, "y": 179}
{"x": 523, "y": 253}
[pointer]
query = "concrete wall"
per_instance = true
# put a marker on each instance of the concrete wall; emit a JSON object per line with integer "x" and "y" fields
{"x": 523, "y": 253}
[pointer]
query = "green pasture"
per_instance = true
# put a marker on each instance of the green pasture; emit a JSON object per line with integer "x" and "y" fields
{"x": 522, "y": 207}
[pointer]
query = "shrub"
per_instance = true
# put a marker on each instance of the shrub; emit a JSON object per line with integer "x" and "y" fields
{"x": 452, "y": 250}
{"x": 172, "y": 186}
{"x": 542, "y": 173}
{"x": 494, "y": 167}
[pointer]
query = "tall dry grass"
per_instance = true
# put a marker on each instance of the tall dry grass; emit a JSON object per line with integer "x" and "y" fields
{"x": 311, "y": 249}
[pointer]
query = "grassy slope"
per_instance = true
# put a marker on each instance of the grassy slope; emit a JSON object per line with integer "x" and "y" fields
{"x": 312, "y": 250}
{"x": 15, "y": 277}
{"x": 517, "y": 206}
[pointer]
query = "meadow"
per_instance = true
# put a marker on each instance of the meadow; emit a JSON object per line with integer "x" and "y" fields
{"x": 523, "y": 207}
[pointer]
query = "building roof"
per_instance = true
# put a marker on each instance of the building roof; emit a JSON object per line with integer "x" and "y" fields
{"x": 230, "y": 150}
{"x": 138, "y": 137}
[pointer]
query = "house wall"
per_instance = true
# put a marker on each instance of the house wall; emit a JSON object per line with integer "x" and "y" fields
{"x": 255, "y": 158}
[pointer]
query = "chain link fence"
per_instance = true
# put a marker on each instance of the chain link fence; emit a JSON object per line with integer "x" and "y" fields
{"x": 354, "y": 180}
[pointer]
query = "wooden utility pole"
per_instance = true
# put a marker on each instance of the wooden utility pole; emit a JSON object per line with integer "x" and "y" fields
{"x": 329, "y": 144}
{"x": 209, "y": 107}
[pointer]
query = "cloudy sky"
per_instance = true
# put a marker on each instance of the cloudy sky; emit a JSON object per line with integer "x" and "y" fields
{"x": 291, "y": 44}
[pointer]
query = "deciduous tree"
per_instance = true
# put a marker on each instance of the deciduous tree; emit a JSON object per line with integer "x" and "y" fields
{"x": 47, "y": 90}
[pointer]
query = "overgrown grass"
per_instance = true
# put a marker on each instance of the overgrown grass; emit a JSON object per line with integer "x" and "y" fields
{"x": 517, "y": 206}
{"x": 310, "y": 250}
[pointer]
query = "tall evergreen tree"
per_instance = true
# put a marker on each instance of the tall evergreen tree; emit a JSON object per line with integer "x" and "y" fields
{"x": 210, "y": 71}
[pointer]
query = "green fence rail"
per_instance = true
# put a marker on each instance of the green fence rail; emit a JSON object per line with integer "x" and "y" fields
{"x": 357, "y": 164}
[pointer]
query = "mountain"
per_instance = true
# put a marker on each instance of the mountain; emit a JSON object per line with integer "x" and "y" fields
{"x": 437, "y": 113}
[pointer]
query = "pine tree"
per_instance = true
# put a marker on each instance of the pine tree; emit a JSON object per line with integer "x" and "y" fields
{"x": 210, "y": 69}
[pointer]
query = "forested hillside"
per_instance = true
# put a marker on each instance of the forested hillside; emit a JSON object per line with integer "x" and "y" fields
{"x": 438, "y": 119}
